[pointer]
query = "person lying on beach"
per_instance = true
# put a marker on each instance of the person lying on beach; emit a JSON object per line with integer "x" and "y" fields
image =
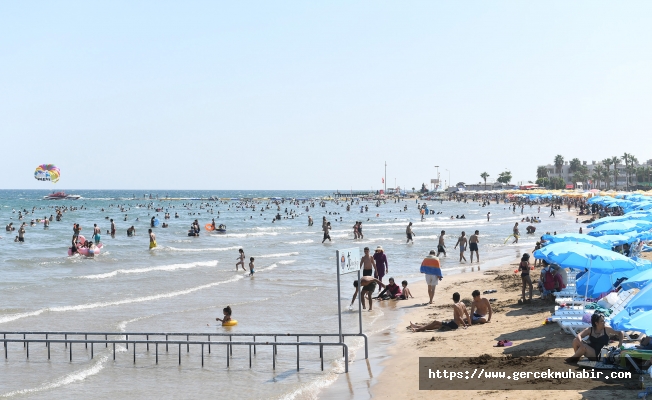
{"x": 368, "y": 284}
{"x": 480, "y": 309}
{"x": 227, "y": 315}
{"x": 645, "y": 343}
{"x": 460, "y": 317}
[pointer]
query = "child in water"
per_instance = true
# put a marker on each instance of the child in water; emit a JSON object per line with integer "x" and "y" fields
{"x": 227, "y": 315}
{"x": 251, "y": 266}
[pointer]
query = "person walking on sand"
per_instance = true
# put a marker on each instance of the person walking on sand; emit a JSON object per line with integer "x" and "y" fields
{"x": 409, "y": 233}
{"x": 441, "y": 247}
{"x": 515, "y": 233}
{"x": 461, "y": 241}
{"x": 473, "y": 245}
{"x": 152, "y": 239}
{"x": 552, "y": 210}
{"x": 430, "y": 266}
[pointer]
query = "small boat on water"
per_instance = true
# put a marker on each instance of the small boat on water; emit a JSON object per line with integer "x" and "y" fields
{"x": 61, "y": 196}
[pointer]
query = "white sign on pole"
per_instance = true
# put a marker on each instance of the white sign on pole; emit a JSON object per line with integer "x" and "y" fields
{"x": 348, "y": 260}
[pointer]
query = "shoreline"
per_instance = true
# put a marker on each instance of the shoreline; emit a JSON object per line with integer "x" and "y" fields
{"x": 399, "y": 350}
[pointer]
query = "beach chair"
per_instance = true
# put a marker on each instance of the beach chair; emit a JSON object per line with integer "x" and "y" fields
{"x": 623, "y": 298}
{"x": 572, "y": 322}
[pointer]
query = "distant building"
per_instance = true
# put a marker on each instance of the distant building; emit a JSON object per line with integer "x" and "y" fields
{"x": 566, "y": 174}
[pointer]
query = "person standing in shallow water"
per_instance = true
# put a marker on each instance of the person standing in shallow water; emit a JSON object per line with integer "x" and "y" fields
{"x": 382, "y": 267}
{"x": 461, "y": 241}
{"x": 409, "y": 233}
{"x": 473, "y": 245}
{"x": 152, "y": 239}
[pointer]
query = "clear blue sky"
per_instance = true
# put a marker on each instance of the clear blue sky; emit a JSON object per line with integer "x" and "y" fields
{"x": 317, "y": 95}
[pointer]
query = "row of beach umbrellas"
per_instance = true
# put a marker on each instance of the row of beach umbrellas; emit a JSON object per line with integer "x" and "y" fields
{"x": 593, "y": 252}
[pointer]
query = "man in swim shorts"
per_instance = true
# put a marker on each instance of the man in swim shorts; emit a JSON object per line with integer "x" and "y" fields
{"x": 433, "y": 275}
{"x": 480, "y": 309}
{"x": 368, "y": 264}
{"x": 460, "y": 318}
{"x": 473, "y": 245}
{"x": 441, "y": 247}
{"x": 515, "y": 233}
{"x": 368, "y": 284}
{"x": 152, "y": 239}
{"x": 112, "y": 228}
{"x": 409, "y": 233}
{"x": 461, "y": 241}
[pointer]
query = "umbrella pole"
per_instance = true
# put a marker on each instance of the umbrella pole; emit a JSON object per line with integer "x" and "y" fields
{"x": 588, "y": 280}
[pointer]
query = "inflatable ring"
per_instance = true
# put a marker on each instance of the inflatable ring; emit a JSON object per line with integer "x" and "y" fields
{"x": 209, "y": 227}
{"x": 230, "y": 323}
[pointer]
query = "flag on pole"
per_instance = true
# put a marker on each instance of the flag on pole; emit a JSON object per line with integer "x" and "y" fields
{"x": 382, "y": 180}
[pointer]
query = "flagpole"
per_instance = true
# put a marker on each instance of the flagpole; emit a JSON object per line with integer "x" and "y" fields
{"x": 385, "y": 180}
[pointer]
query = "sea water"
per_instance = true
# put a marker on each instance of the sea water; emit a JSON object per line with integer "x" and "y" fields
{"x": 184, "y": 283}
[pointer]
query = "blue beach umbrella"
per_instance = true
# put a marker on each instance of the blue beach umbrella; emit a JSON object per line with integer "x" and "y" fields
{"x": 602, "y": 283}
{"x": 614, "y": 228}
{"x": 639, "y": 320}
{"x": 638, "y": 281}
{"x": 576, "y": 237}
{"x": 642, "y": 300}
{"x": 583, "y": 255}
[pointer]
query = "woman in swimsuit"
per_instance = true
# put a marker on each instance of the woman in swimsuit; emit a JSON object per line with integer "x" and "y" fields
{"x": 524, "y": 267}
{"x": 598, "y": 337}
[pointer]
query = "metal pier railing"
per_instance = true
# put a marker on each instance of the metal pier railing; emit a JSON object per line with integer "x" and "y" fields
{"x": 176, "y": 338}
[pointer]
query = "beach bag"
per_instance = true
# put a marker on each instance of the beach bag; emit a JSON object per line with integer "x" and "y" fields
{"x": 612, "y": 356}
{"x": 548, "y": 280}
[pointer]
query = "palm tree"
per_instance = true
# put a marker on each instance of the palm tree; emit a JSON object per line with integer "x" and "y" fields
{"x": 605, "y": 176}
{"x": 607, "y": 163}
{"x": 559, "y": 162}
{"x": 632, "y": 162}
{"x": 625, "y": 157}
{"x": 542, "y": 172}
{"x": 615, "y": 161}
{"x": 597, "y": 174}
{"x": 484, "y": 176}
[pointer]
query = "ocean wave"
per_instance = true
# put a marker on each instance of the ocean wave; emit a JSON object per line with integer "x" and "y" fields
{"x": 242, "y": 235}
{"x": 171, "y": 267}
{"x": 302, "y": 241}
{"x": 76, "y": 376}
{"x": 285, "y": 262}
{"x": 9, "y": 318}
{"x": 278, "y": 255}
{"x": 206, "y": 249}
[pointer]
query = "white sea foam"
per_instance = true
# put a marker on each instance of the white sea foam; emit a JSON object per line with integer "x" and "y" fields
{"x": 88, "y": 306}
{"x": 285, "y": 262}
{"x": 301, "y": 241}
{"x": 206, "y": 249}
{"x": 172, "y": 267}
{"x": 278, "y": 255}
{"x": 74, "y": 377}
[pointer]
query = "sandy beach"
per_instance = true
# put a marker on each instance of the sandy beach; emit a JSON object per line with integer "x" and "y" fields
{"x": 521, "y": 324}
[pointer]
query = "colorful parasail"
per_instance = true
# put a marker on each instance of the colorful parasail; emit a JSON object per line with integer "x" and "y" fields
{"x": 47, "y": 172}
